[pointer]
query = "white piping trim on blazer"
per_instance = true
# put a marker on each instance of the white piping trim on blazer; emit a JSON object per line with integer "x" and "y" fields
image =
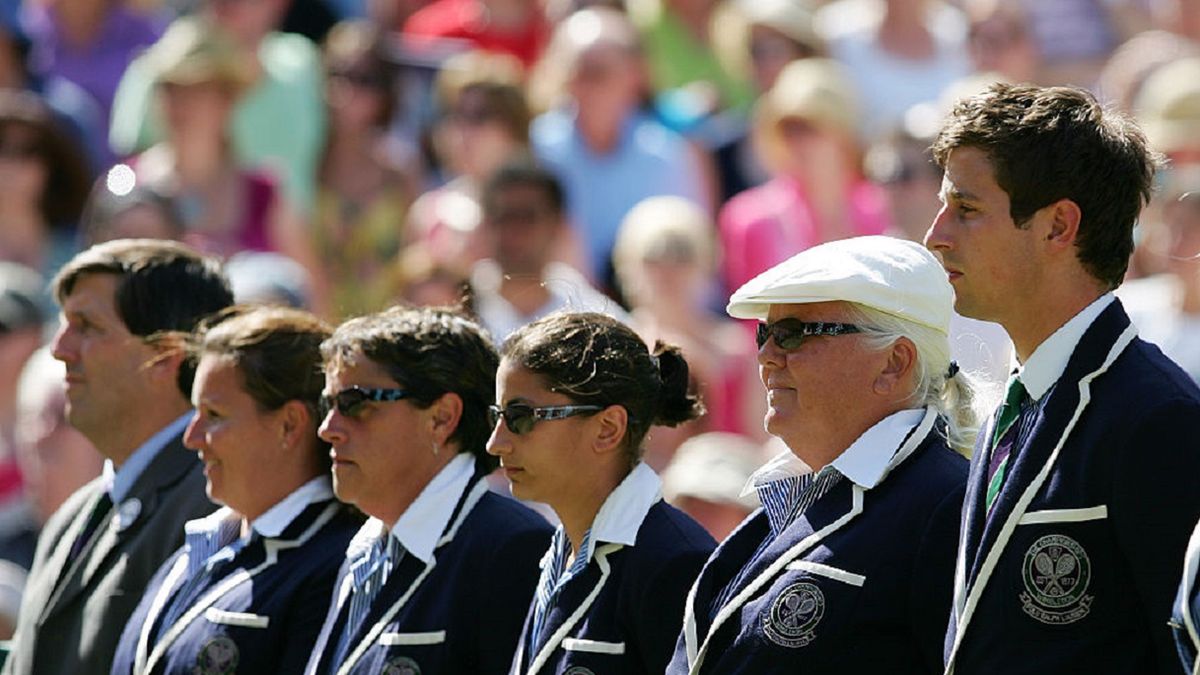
{"x": 1064, "y": 515}
{"x": 1190, "y": 567}
{"x": 272, "y": 547}
{"x": 593, "y": 646}
{"x": 107, "y": 528}
{"x": 433, "y": 637}
{"x": 964, "y": 613}
{"x": 817, "y": 569}
{"x": 473, "y": 497}
{"x": 696, "y": 656}
{"x": 601, "y": 556}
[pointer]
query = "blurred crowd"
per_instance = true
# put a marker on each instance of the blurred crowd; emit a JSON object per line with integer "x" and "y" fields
{"x": 639, "y": 158}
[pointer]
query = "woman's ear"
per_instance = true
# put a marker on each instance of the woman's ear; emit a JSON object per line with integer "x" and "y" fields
{"x": 611, "y": 424}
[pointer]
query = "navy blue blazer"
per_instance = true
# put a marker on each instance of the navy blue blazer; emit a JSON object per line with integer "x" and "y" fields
{"x": 258, "y": 612}
{"x": 1076, "y": 567}
{"x": 1185, "y": 617}
{"x": 459, "y": 614}
{"x": 860, "y": 583}
{"x": 623, "y": 613}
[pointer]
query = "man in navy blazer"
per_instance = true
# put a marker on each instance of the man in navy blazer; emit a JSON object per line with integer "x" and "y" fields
{"x": 847, "y": 568}
{"x": 1083, "y": 487}
{"x": 125, "y": 392}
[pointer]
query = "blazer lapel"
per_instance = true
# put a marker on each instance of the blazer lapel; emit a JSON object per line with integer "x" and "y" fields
{"x": 168, "y": 467}
{"x": 577, "y": 598}
{"x": 1060, "y": 409}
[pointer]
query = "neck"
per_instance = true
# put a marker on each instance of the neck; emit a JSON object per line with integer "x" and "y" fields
{"x": 578, "y": 512}
{"x": 292, "y": 479}
{"x": 1190, "y": 302}
{"x": 200, "y": 164}
{"x": 1037, "y": 323}
{"x": 525, "y": 292}
{"x": 903, "y": 32}
{"x": 119, "y": 441}
{"x": 405, "y": 495}
{"x": 600, "y": 134}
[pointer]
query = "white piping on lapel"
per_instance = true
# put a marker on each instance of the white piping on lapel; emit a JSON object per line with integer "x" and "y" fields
{"x": 272, "y": 547}
{"x": 543, "y": 655}
{"x": 1190, "y": 568}
{"x": 970, "y": 599}
{"x": 817, "y": 569}
{"x": 1065, "y": 515}
{"x": 696, "y": 656}
{"x": 473, "y": 497}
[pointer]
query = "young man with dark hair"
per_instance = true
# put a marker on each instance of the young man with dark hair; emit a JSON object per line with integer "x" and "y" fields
{"x": 1082, "y": 489}
{"x": 126, "y": 393}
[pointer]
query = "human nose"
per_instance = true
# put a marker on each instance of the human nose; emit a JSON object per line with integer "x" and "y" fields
{"x": 331, "y": 430}
{"x": 63, "y": 346}
{"x": 936, "y": 237}
{"x": 770, "y": 355}
{"x": 499, "y": 444}
{"x": 193, "y": 436}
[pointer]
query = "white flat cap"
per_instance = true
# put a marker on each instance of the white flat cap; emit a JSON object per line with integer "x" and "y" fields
{"x": 891, "y": 275}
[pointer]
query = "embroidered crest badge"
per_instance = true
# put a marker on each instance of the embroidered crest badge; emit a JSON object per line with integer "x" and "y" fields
{"x": 790, "y": 620}
{"x": 218, "y": 656}
{"x": 401, "y": 665}
{"x": 1056, "y": 572}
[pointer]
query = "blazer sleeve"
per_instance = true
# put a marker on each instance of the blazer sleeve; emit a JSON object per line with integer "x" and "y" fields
{"x": 932, "y": 593}
{"x": 659, "y": 603}
{"x": 1154, "y": 508}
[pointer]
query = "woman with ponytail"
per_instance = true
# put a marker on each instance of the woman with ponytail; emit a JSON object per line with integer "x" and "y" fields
{"x": 613, "y": 584}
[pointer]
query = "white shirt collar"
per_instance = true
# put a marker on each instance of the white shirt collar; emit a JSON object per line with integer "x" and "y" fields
{"x": 1049, "y": 360}
{"x": 621, "y": 515}
{"x": 425, "y": 520}
{"x": 278, "y": 517}
{"x": 119, "y": 481}
{"x": 864, "y": 462}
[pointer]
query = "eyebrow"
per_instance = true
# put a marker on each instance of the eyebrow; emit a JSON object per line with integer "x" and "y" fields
{"x": 957, "y": 194}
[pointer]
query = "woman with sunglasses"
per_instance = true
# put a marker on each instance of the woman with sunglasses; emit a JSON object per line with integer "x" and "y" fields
{"x": 437, "y": 581}
{"x": 577, "y": 393}
{"x": 249, "y": 588}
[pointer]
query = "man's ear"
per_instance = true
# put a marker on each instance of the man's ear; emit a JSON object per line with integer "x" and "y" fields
{"x": 1064, "y": 216}
{"x": 444, "y": 416}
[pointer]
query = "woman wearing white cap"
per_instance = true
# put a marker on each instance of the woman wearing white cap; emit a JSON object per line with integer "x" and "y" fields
{"x": 849, "y": 566}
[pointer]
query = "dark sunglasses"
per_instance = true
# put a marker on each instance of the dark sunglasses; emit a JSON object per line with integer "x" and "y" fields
{"x": 349, "y": 401}
{"x": 789, "y": 334}
{"x": 520, "y": 418}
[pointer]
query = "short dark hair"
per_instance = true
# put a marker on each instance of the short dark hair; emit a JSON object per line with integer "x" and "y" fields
{"x": 163, "y": 286}
{"x": 523, "y": 173}
{"x": 277, "y": 351}
{"x": 1052, "y": 143}
{"x": 430, "y": 352}
{"x": 596, "y": 360}
{"x": 68, "y": 175}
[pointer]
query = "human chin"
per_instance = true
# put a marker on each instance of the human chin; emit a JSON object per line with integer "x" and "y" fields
{"x": 345, "y": 482}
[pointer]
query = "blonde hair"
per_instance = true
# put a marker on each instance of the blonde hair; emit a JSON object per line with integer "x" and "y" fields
{"x": 662, "y": 224}
{"x": 815, "y": 90}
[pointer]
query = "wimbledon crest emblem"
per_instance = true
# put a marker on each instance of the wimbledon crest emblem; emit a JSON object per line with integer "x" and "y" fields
{"x": 795, "y": 613}
{"x": 1056, "y": 573}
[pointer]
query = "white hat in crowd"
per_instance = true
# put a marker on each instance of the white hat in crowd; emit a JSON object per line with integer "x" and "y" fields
{"x": 894, "y": 276}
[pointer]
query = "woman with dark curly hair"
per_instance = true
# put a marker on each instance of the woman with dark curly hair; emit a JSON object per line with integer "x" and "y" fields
{"x": 577, "y": 393}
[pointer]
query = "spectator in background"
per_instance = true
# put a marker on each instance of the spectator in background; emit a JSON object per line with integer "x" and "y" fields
{"x": 898, "y": 53}
{"x": 666, "y": 262}
{"x": 519, "y": 281}
{"x": 422, "y": 281}
{"x": 679, "y": 38}
{"x": 598, "y": 135}
{"x": 757, "y": 39}
{"x": 805, "y": 127}
{"x": 279, "y": 123}
{"x": 43, "y": 184}
{"x": 56, "y": 459}
{"x": 363, "y": 194}
{"x": 80, "y": 112}
{"x": 706, "y": 479}
{"x": 1000, "y": 41}
{"x": 513, "y": 27}
{"x": 120, "y": 208}
{"x": 89, "y": 43}
{"x": 226, "y": 208}
{"x": 484, "y": 124}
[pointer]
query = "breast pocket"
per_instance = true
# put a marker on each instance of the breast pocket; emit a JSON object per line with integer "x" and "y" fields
{"x": 592, "y": 657}
{"x": 812, "y": 602}
{"x": 413, "y": 652}
{"x": 1059, "y": 572}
